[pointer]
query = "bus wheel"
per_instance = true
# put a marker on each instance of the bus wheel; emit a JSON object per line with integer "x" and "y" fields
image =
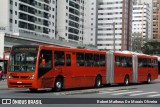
{"x": 33, "y": 89}
{"x": 98, "y": 82}
{"x": 58, "y": 85}
{"x": 126, "y": 80}
{"x": 149, "y": 79}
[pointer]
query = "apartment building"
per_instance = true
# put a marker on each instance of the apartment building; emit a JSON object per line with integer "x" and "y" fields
{"x": 114, "y": 24}
{"x": 90, "y": 24}
{"x": 156, "y": 20}
{"x": 141, "y": 21}
{"x": 70, "y": 20}
{"x": 29, "y": 17}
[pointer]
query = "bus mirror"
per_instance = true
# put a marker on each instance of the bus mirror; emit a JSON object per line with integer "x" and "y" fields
{"x": 43, "y": 62}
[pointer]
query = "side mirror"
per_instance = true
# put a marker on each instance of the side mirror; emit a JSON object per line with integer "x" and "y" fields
{"x": 43, "y": 62}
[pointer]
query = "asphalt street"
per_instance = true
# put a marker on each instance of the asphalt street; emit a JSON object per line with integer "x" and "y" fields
{"x": 139, "y": 90}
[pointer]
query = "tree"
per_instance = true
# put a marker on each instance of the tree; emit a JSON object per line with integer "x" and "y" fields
{"x": 136, "y": 42}
{"x": 151, "y": 47}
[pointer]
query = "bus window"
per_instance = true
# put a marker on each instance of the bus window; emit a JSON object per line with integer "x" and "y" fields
{"x": 47, "y": 56}
{"x": 155, "y": 63}
{"x": 149, "y": 64}
{"x": 80, "y": 59}
{"x": 123, "y": 61}
{"x": 68, "y": 60}
{"x": 96, "y": 60}
{"x": 88, "y": 59}
{"x": 129, "y": 61}
{"x": 59, "y": 58}
{"x": 118, "y": 61}
{"x": 102, "y": 60}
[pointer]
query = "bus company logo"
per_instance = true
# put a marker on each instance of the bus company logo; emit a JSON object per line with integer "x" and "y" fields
{"x": 6, "y": 101}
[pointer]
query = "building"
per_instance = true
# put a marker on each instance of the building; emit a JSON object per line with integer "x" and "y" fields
{"x": 70, "y": 20}
{"x": 156, "y": 20}
{"x": 114, "y": 24}
{"x": 141, "y": 20}
{"x": 90, "y": 24}
{"x": 31, "y": 17}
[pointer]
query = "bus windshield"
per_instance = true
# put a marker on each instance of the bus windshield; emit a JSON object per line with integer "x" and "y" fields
{"x": 23, "y": 59}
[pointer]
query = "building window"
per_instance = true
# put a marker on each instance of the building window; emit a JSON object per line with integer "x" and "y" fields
{"x": 15, "y": 3}
{"x": 15, "y": 21}
{"x": 52, "y": 9}
{"x": 39, "y": 12}
{"x": 15, "y": 12}
{"x": 10, "y": 11}
{"x": 10, "y": 20}
{"x": 39, "y": 4}
{"x": 67, "y": 1}
{"x": 39, "y": 20}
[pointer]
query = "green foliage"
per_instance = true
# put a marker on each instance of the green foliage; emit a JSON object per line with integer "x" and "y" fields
{"x": 152, "y": 47}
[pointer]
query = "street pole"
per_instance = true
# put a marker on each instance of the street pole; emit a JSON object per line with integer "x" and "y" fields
{"x": 113, "y": 36}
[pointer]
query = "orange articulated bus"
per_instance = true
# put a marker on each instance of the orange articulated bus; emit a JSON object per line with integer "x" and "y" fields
{"x": 40, "y": 66}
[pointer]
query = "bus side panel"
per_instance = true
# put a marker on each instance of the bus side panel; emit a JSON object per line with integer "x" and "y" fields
{"x": 142, "y": 74}
{"x": 154, "y": 73}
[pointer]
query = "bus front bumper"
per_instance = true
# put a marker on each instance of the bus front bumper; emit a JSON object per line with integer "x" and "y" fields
{"x": 21, "y": 84}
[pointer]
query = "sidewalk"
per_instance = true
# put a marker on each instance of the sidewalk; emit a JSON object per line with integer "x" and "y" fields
{"x": 3, "y": 84}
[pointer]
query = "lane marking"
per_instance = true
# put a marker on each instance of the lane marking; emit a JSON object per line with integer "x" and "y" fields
{"x": 112, "y": 91}
{"x": 143, "y": 93}
{"x": 155, "y": 95}
{"x": 127, "y": 92}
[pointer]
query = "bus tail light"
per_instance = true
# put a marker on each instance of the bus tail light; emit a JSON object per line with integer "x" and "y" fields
{"x": 31, "y": 77}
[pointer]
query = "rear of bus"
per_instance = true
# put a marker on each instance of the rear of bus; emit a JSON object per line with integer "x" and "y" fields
{"x": 22, "y": 67}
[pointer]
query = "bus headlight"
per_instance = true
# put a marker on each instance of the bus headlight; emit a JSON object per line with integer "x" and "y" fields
{"x": 10, "y": 77}
{"x": 31, "y": 77}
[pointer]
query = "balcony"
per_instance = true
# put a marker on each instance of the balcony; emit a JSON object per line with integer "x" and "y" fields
{"x": 46, "y": 1}
{"x": 31, "y": 27}
{"x": 46, "y": 15}
{"x": 72, "y": 30}
{"x": 72, "y": 17}
{"x": 76, "y": 12}
{"x": 46, "y": 7}
{"x": 23, "y": 16}
{"x": 72, "y": 4}
{"x": 45, "y": 23}
{"x": 30, "y": 2}
{"x": 23, "y": 8}
{"x": 45, "y": 30}
{"x": 31, "y": 18}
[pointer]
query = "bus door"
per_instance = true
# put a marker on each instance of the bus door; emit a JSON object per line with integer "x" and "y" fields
{"x": 135, "y": 68}
{"x": 45, "y": 74}
{"x": 68, "y": 69}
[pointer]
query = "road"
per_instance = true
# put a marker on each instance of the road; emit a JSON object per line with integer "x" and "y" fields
{"x": 151, "y": 90}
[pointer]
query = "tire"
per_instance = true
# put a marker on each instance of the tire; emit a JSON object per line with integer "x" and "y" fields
{"x": 98, "y": 82}
{"x": 126, "y": 80}
{"x": 58, "y": 85}
{"x": 149, "y": 79}
{"x": 33, "y": 89}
